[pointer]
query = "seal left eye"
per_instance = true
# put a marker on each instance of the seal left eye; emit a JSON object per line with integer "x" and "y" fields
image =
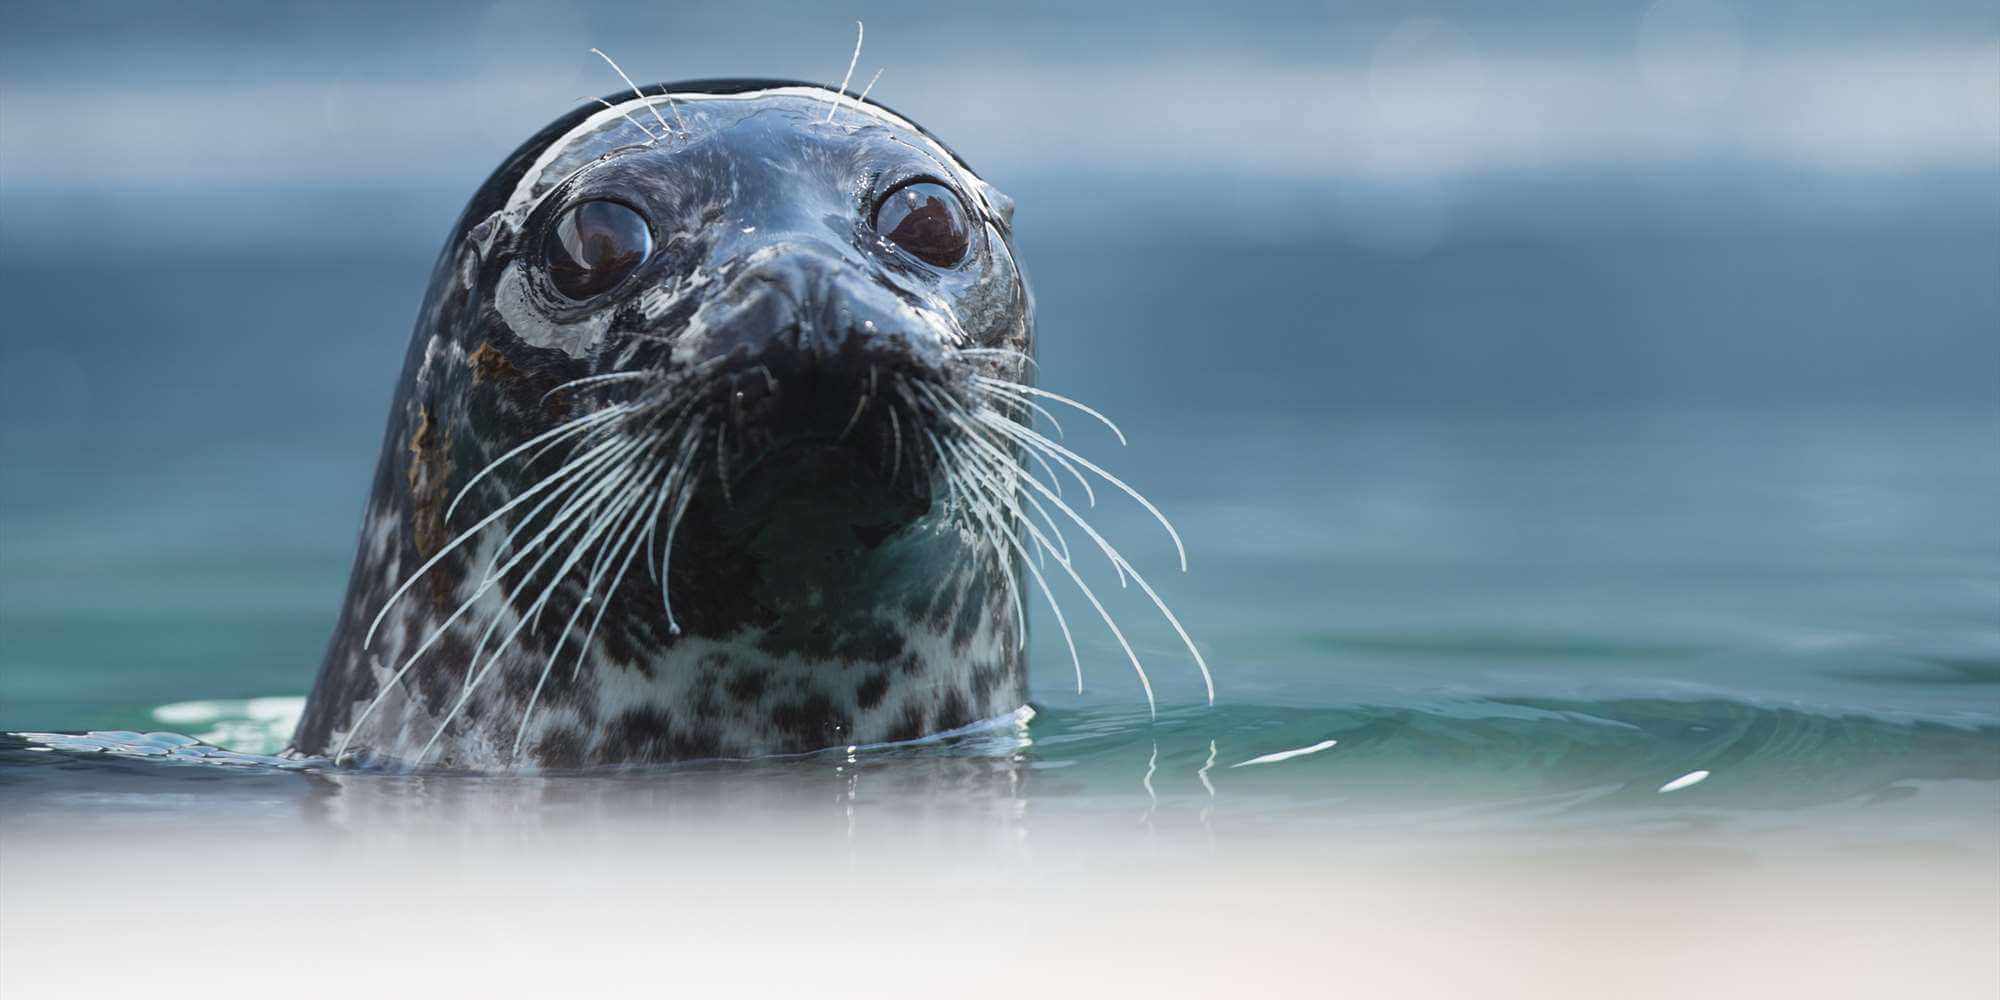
{"x": 925, "y": 219}
{"x": 594, "y": 246}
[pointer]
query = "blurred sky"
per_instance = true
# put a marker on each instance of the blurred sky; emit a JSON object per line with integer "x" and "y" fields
{"x": 1414, "y": 98}
{"x": 1383, "y": 141}
{"x": 203, "y": 95}
{"x": 1680, "y": 201}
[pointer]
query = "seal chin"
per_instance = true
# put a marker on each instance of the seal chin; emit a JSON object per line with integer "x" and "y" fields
{"x": 821, "y": 487}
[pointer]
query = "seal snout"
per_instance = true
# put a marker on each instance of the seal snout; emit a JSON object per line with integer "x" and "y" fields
{"x": 812, "y": 350}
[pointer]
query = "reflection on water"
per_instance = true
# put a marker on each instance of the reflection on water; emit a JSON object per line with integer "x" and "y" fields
{"x": 1523, "y": 767}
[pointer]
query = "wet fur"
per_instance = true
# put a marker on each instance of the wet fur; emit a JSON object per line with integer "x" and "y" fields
{"x": 759, "y": 666}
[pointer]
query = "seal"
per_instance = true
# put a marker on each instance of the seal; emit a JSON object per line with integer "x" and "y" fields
{"x": 710, "y": 441}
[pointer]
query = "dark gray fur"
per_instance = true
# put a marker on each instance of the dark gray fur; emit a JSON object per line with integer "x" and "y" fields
{"x": 827, "y": 592}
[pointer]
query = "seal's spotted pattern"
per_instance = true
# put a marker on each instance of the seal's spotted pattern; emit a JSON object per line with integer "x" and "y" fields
{"x": 824, "y": 597}
{"x": 712, "y": 440}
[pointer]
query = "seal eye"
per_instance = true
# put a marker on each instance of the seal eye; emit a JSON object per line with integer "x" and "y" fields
{"x": 594, "y": 246}
{"x": 926, "y": 219}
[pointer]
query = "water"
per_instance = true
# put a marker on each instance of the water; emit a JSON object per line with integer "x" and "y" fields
{"x": 1524, "y": 614}
{"x": 1495, "y": 545}
{"x": 1595, "y": 549}
{"x": 1583, "y": 594}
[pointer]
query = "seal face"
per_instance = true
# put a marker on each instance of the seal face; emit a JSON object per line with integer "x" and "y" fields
{"x": 697, "y": 450}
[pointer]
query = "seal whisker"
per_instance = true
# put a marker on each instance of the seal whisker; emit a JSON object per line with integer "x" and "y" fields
{"x": 860, "y": 405}
{"x": 638, "y": 544}
{"x": 997, "y": 500}
{"x": 860, "y": 31}
{"x": 607, "y": 477}
{"x": 1054, "y": 481}
{"x": 988, "y": 512}
{"x": 631, "y": 550}
{"x": 589, "y": 486}
{"x": 636, "y": 92}
{"x": 896, "y": 442}
{"x": 590, "y": 506}
{"x": 576, "y": 487}
{"x": 1043, "y": 543}
{"x": 590, "y": 438}
{"x": 676, "y": 416}
{"x": 666, "y": 559}
{"x": 1145, "y": 682}
{"x": 1049, "y": 470}
{"x": 954, "y": 503}
{"x": 1117, "y": 560}
{"x": 937, "y": 465}
{"x": 596, "y": 454}
{"x": 1035, "y": 440}
{"x": 604, "y": 556}
{"x": 988, "y": 525}
{"x": 637, "y": 513}
{"x": 635, "y": 122}
{"x": 641, "y": 543}
{"x": 722, "y": 461}
{"x": 1024, "y": 405}
{"x": 684, "y": 485}
{"x": 1047, "y": 519}
{"x": 482, "y": 670}
{"x": 676, "y": 109}
{"x": 437, "y": 632}
{"x": 997, "y": 352}
{"x": 863, "y": 99}
{"x": 615, "y": 492}
{"x": 1055, "y": 608}
{"x": 990, "y": 395}
{"x": 564, "y": 430}
{"x": 1089, "y": 494}
{"x": 597, "y": 380}
{"x": 1015, "y": 387}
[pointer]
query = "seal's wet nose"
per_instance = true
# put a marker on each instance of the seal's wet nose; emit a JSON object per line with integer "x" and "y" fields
{"x": 806, "y": 339}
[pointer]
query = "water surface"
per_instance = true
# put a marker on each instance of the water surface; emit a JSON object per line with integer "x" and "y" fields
{"x": 1595, "y": 550}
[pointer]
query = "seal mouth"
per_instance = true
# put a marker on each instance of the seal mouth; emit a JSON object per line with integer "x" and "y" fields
{"x": 854, "y": 434}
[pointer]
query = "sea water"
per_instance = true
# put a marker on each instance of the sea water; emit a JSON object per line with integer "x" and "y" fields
{"x": 1652, "y": 574}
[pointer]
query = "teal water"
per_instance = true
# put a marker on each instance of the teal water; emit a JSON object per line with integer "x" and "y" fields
{"x": 1585, "y": 428}
{"x": 1533, "y": 623}
{"x": 1538, "y": 521}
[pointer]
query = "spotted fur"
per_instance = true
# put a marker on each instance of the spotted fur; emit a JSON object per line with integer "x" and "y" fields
{"x": 825, "y": 593}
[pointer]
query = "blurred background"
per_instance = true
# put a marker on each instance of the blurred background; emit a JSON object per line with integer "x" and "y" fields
{"x": 1583, "y": 415}
{"x": 1565, "y": 350}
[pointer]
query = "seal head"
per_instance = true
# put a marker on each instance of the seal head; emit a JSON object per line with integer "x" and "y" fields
{"x": 681, "y": 461}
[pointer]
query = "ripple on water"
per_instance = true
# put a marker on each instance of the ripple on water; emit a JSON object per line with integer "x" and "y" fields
{"x": 1521, "y": 764}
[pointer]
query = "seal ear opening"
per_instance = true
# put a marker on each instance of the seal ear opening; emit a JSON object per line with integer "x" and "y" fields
{"x": 999, "y": 204}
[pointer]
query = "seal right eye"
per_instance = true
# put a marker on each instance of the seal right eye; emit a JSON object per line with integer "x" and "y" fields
{"x": 594, "y": 246}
